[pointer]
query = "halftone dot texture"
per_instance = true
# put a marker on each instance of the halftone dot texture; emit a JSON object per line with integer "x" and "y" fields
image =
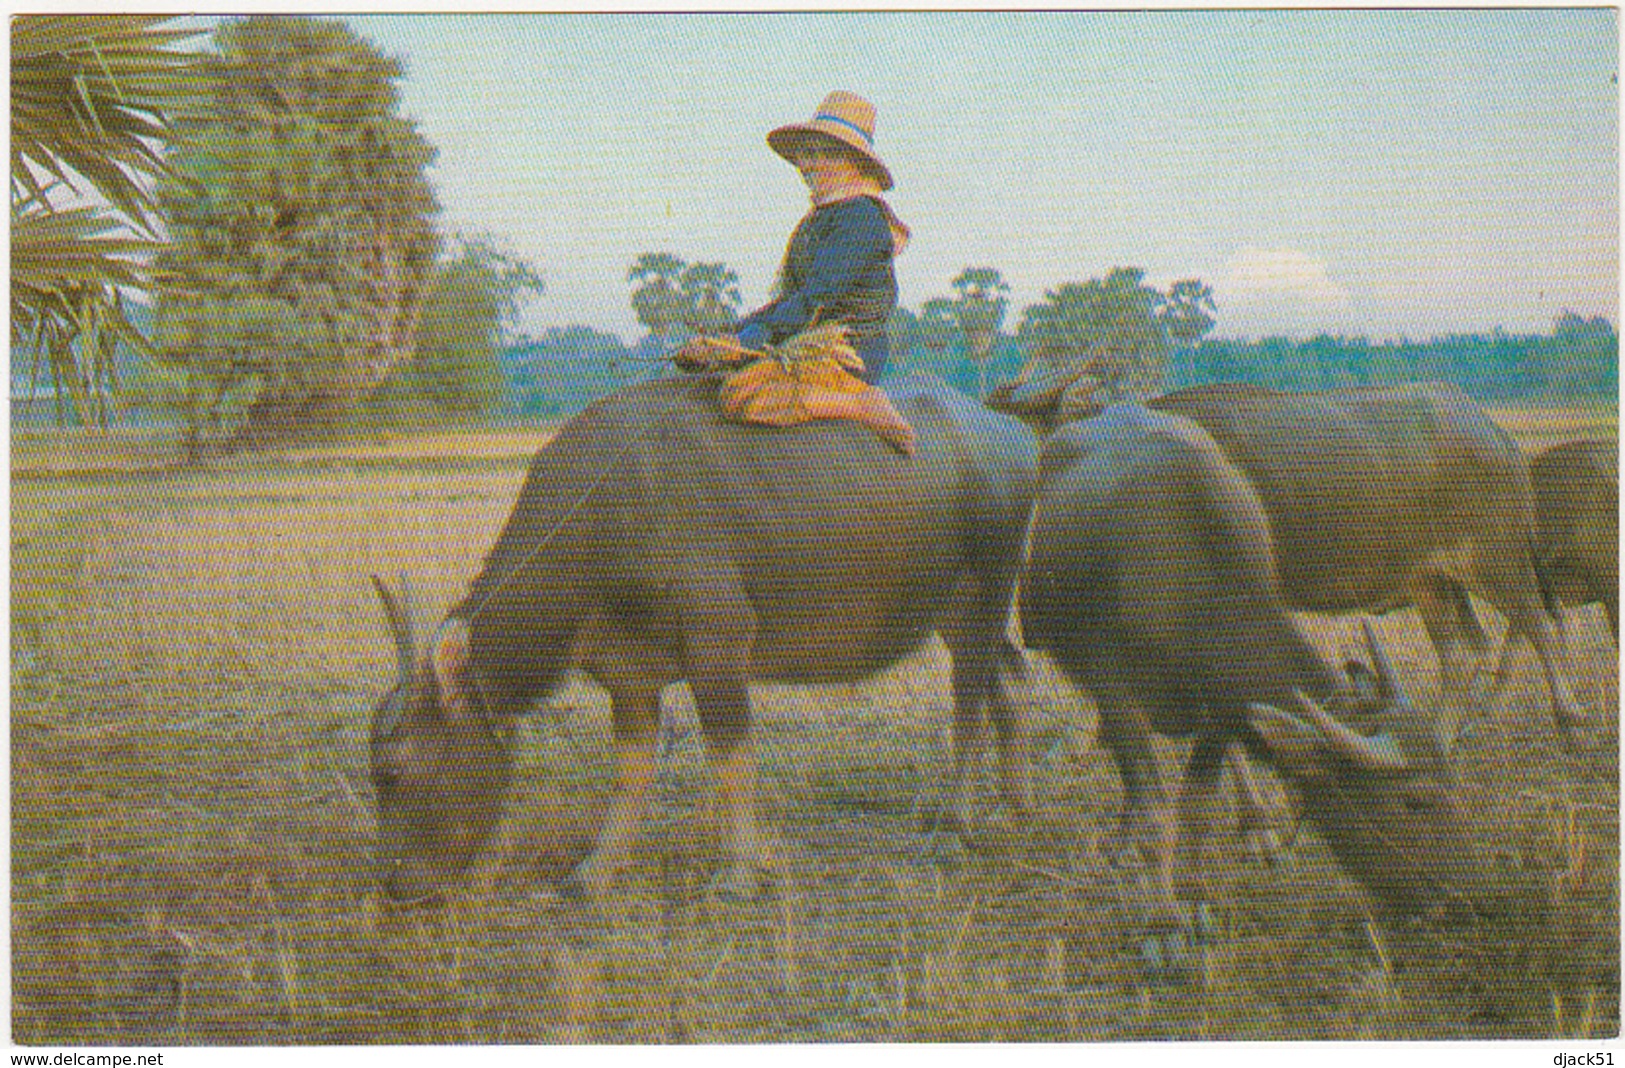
{"x": 193, "y": 827}
{"x": 197, "y": 649}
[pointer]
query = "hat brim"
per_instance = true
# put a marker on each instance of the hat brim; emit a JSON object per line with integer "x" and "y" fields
{"x": 787, "y": 141}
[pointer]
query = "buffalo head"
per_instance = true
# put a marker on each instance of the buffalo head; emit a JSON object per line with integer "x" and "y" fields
{"x": 1050, "y": 391}
{"x": 1385, "y": 802}
{"x": 440, "y": 767}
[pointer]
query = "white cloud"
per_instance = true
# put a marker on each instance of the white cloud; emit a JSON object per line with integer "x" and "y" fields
{"x": 1253, "y": 274}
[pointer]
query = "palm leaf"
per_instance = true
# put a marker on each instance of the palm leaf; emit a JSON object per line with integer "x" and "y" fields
{"x": 92, "y": 99}
{"x": 92, "y": 95}
{"x": 80, "y": 247}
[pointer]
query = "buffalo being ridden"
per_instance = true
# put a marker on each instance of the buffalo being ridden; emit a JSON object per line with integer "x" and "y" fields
{"x": 655, "y": 541}
{"x": 1152, "y": 581}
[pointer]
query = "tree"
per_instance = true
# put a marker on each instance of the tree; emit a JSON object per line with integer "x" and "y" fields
{"x": 1118, "y": 328}
{"x": 91, "y": 102}
{"x": 902, "y": 335}
{"x": 979, "y": 311}
{"x": 924, "y": 341}
{"x": 674, "y": 296}
{"x": 1188, "y": 312}
{"x": 566, "y": 369}
{"x": 1582, "y": 356}
{"x": 936, "y": 324}
{"x": 658, "y": 299}
{"x": 710, "y": 297}
{"x": 468, "y": 317}
{"x": 301, "y": 224}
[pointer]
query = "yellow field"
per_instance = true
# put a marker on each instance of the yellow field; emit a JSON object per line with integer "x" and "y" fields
{"x": 194, "y": 657}
{"x": 1537, "y": 428}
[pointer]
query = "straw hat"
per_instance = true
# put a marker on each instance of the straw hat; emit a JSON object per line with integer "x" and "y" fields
{"x": 844, "y": 117}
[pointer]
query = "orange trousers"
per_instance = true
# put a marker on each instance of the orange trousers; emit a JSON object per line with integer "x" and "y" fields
{"x": 766, "y": 392}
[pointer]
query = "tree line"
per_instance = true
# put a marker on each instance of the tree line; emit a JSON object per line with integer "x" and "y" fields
{"x": 266, "y": 197}
{"x": 1577, "y": 362}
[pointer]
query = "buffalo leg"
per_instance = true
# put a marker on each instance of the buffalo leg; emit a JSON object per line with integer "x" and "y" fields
{"x": 984, "y": 664}
{"x": 1198, "y": 793}
{"x": 1458, "y": 638}
{"x": 725, "y": 716}
{"x": 1143, "y": 827}
{"x": 1171, "y": 933}
{"x": 1515, "y": 592}
{"x": 1253, "y": 814}
{"x": 953, "y": 814}
{"x": 719, "y": 629}
{"x": 1015, "y": 777}
{"x": 1552, "y": 650}
{"x": 982, "y": 693}
{"x": 636, "y": 723}
{"x": 736, "y": 778}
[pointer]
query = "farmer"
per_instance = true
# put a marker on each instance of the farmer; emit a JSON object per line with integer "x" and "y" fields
{"x": 837, "y": 268}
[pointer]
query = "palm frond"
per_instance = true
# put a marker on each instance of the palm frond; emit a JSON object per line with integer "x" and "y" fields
{"x": 92, "y": 99}
{"x": 74, "y": 248}
{"x": 74, "y": 333}
{"x": 91, "y": 96}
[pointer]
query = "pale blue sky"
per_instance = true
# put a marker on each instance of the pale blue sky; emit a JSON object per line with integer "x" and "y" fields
{"x": 1359, "y": 172}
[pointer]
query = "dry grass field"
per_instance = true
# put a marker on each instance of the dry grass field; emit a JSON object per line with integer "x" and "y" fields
{"x": 194, "y": 656}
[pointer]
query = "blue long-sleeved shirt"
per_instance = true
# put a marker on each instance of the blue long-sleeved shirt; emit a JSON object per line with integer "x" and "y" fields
{"x": 838, "y": 268}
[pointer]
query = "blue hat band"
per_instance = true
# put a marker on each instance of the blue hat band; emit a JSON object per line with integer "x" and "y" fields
{"x": 868, "y": 138}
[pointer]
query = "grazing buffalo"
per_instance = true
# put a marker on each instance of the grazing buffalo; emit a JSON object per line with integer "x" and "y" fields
{"x": 1152, "y": 581}
{"x": 653, "y": 542}
{"x": 1577, "y": 511}
{"x": 1377, "y": 499}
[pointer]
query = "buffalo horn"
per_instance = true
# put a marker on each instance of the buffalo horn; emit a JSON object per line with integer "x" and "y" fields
{"x": 1377, "y": 754}
{"x": 1388, "y": 685}
{"x": 399, "y": 611}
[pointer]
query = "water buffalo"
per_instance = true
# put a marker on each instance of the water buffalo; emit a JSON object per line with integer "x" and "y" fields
{"x": 1378, "y": 498}
{"x": 1152, "y": 581}
{"x": 1577, "y": 509}
{"x": 654, "y": 541}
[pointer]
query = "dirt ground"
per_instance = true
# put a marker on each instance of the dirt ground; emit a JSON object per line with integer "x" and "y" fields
{"x": 195, "y": 653}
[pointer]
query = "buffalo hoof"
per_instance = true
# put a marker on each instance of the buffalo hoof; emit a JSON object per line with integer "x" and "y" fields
{"x": 947, "y": 850}
{"x": 1129, "y": 845}
{"x": 1171, "y": 957}
{"x": 1177, "y": 954}
{"x": 574, "y": 888}
{"x": 1267, "y": 832}
{"x": 422, "y": 903}
{"x": 945, "y": 821}
{"x": 585, "y": 883}
{"x": 1269, "y": 842}
{"x": 1575, "y": 742}
{"x": 947, "y": 837}
{"x": 1264, "y": 845}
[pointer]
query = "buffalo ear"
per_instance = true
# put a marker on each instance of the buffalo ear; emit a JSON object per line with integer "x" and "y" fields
{"x": 449, "y": 660}
{"x": 1389, "y": 688}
